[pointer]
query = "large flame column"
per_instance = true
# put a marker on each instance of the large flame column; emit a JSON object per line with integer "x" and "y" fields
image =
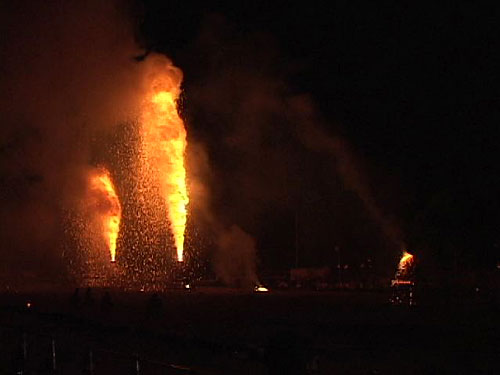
{"x": 164, "y": 146}
{"x": 405, "y": 263}
{"x": 109, "y": 207}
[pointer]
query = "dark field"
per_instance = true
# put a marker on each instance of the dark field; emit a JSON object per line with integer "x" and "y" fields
{"x": 223, "y": 331}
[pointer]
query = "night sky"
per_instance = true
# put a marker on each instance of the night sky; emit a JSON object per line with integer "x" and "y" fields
{"x": 413, "y": 89}
{"x": 365, "y": 127}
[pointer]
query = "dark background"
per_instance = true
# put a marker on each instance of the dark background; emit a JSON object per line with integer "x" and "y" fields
{"x": 413, "y": 90}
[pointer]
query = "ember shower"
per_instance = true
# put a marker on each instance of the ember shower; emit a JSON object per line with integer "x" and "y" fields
{"x": 76, "y": 104}
{"x": 134, "y": 211}
{"x": 153, "y": 181}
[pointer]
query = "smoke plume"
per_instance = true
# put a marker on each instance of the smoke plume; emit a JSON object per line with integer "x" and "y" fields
{"x": 272, "y": 158}
{"x": 235, "y": 258}
{"x": 68, "y": 79}
{"x": 258, "y": 153}
{"x": 348, "y": 166}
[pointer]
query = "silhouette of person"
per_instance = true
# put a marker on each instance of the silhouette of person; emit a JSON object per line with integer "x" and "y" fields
{"x": 106, "y": 302}
{"x": 89, "y": 300}
{"x": 155, "y": 305}
{"x": 75, "y": 298}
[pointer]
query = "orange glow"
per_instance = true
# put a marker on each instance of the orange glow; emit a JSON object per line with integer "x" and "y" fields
{"x": 401, "y": 282}
{"x": 110, "y": 207}
{"x": 164, "y": 146}
{"x": 405, "y": 261}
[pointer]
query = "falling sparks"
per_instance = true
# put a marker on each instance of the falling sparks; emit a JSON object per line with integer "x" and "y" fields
{"x": 164, "y": 145}
{"x": 147, "y": 154}
{"x": 109, "y": 207}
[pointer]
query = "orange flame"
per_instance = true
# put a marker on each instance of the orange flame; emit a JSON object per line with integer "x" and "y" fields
{"x": 164, "y": 144}
{"x": 405, "y": 262}
{"x": 110, "y": 207}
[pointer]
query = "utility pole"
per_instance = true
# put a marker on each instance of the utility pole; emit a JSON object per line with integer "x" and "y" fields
{"x": 137, "y": 365}
{"x": 53, "y": 347}
{"x": 296, "y": 239}
{"x": 337, "y": 250}
{"x": 90, "y": 369}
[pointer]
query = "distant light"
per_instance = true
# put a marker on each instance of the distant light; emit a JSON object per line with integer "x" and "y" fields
{"x": 187, "y": 286}
{"x": 28, "y": 305}
{"x": 401, "y": 282}
{"x": 261, "y": 289}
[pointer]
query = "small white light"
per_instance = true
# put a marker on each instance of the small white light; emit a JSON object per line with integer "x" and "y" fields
{"x": 261, "y": 288}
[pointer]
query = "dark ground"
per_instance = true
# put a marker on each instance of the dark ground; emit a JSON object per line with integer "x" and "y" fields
{"x": 222, "y": 331}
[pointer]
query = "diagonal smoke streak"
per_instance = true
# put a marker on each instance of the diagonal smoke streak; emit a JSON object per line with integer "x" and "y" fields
{"x": 347, "y": 164}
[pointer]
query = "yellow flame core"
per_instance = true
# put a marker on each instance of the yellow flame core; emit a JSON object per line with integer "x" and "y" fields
{"x": 112, "y": 211}
{"x": 405, "y": 261}
{"x": 164, "y": 142}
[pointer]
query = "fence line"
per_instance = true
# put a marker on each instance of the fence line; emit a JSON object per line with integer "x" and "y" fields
{"x": 30, "y": 354}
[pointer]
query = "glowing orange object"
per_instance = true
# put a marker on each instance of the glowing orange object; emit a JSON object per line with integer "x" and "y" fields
{"x": 401, "y": 282}
{"x": 110, "y": 208}
{"x": 405, "y": 261}
{"x": 164, "y": 146}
